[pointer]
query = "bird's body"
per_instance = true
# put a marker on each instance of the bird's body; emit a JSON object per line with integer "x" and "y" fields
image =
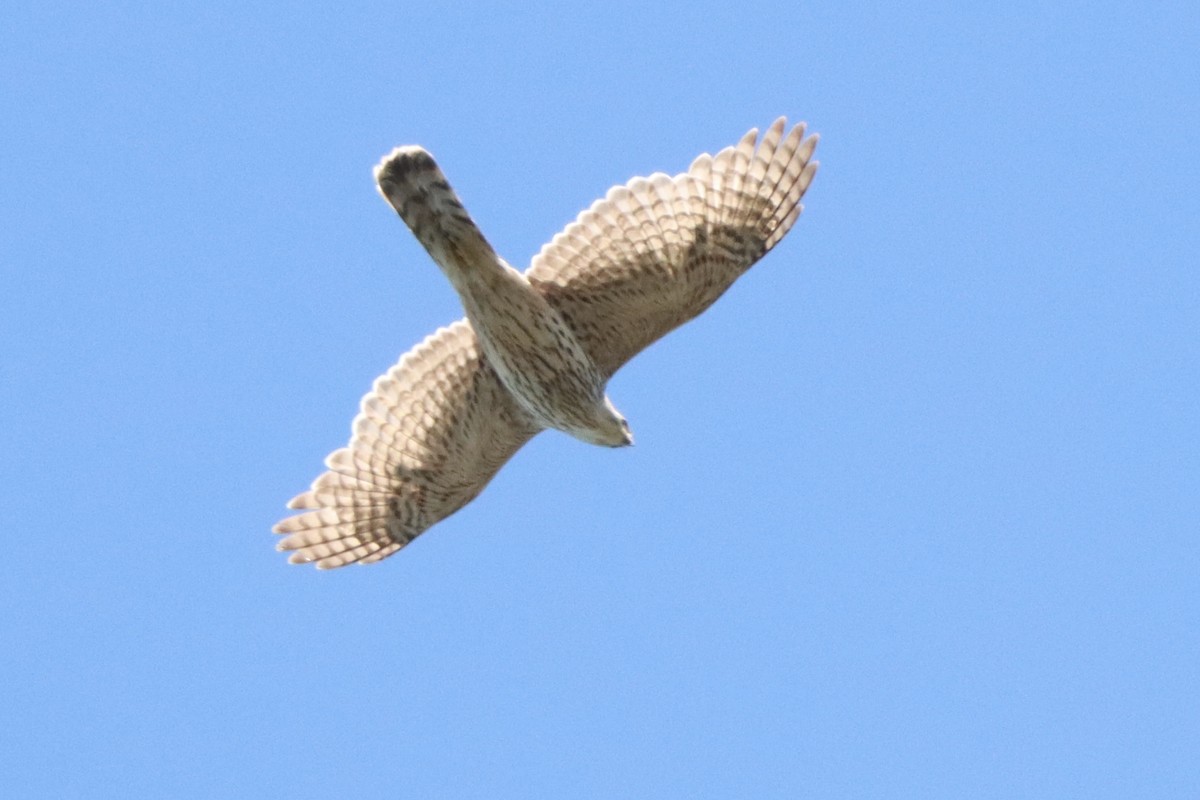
{"x": 528, "y": 343}
{"x": 536, "y": 350}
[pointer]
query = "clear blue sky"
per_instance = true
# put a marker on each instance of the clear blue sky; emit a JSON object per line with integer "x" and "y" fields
{"x": 913, "y": 510}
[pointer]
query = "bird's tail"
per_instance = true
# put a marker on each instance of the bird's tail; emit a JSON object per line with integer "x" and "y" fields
{"x": 410, "y": 180}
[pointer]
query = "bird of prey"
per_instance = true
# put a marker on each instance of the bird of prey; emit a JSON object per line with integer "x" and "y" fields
{"x": 537, "y": 348}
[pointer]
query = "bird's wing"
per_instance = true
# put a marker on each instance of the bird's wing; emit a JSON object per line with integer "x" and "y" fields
{"x": 431, "y": 433}
{"x": 658, "y": 251}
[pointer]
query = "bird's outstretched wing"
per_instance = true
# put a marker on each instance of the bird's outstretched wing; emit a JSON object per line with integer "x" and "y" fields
{"x": 658, "y": 251}
{"x": 431, "y": 433}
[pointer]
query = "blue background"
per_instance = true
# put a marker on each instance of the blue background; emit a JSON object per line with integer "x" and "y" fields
{"x": 913, "y": 509}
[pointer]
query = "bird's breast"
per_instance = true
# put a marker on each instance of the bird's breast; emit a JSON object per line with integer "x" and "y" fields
{"x": 533, "y": 350}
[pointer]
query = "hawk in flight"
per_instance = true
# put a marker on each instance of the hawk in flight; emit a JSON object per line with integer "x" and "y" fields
{"x": 537, "y": 348}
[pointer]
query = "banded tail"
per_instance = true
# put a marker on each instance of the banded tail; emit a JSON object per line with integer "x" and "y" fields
{"x": 410, "y": 180}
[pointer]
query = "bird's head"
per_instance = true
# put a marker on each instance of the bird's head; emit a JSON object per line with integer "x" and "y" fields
{"x": 610, "y": 428}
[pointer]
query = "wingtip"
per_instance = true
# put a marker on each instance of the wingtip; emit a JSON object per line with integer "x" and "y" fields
{"x": 300, "y": 501}
{"x": 775, "y": 129}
